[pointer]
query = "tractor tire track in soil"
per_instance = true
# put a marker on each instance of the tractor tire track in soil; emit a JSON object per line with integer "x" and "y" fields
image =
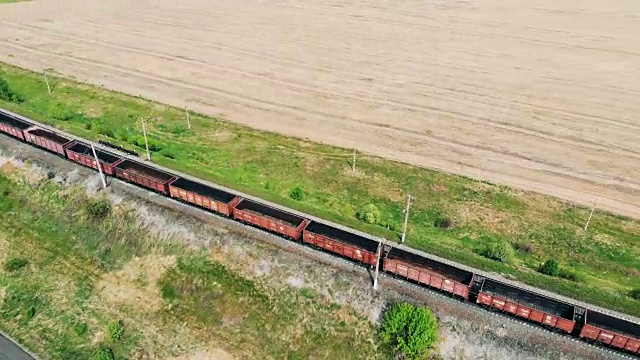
{"x": 537, "y": 95}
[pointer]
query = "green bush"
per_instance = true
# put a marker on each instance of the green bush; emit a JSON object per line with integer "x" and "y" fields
{"x": 115, "y": 331}
{"x": 99, "y": 208}
{"x": 104, "y": 353}
{"x": 60, "y": 112}
{"x": 80, "y": 329}
{"x": 369, "y": 214}
{"x": 411, "y": 331}
{"x": 500, "y": 250}
{"x": 15, "y": 264}
{"x": 550, "y": 267}
{"x": 139, "y": 142}
{"x": 635, "y": 294}
{"x": 296, "y": 193}
{"x": 7, "y": 94}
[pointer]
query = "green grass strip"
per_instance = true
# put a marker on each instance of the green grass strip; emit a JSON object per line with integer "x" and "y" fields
{"x": 601, "y": 266}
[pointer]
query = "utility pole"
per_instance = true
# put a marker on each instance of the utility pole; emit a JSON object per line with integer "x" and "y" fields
{"x": 188, "y": 119}
{"x": 146, "y": 142}
{"x": 353, "y": 164}
{"x": 406, "y": 219}
{"x": 375, "y": 275}
{"x": 47, "y": 81}
{"x": 104, "y": 182}
{"x": 591, "y": 214}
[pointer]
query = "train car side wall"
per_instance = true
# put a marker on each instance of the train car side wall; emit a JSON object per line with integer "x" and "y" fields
{"x": 526, "y": 312}
{"x": 15, "y": 132}
{"x": 45, "y": 143}
{"x": 425, "y": 277}
{"x": 610, "y": 338}
{"x": 148, "y": 182}
{"x": 89, "y": 161}
{"x": 266, "y": 223}
{"x": 348, "y": 251}
{"x": 202, "y": 201}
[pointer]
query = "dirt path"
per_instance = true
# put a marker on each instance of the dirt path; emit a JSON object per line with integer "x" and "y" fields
{"x": 541, "y": 95}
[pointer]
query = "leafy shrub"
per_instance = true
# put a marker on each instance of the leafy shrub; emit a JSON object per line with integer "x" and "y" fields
{"x": 7, "y": 94}
{"x": 104, "y": 353}
{"x": 500, "y": 250}
{"x": 550, "y": 267}
{"x": 15, "y": 264}
{"x": 635, "y": 294}
{"x": 60, "y": 112}
{"x": 139, "y": 142}
{"x": 369, "y": 214}
{"x": 99, "y": 208}
{"x": 80, "y": 329}
{"x": 115, "y": 331}
{"x": 443, "y": 223}
{"x": 296, "y": 193}
{"x": 411, "y": 331}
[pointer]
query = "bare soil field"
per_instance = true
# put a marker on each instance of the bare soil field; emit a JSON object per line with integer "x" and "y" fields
{"x": 540, "y": 95}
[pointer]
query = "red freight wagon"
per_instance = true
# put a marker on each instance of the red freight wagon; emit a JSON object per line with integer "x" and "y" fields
{"x": 612, "y": 331}
{"x": 46, "y": 139}
{"x": 203, "y": 196}
{"x": 82, "y": 153}
{"x": 269, "y": 218}
{"x": 428, "y": 272}
{"x": 527, "y": 305}
{"x": 340, "y": 242}
{"x": 144, "y": 175}
{"x": 13, "y": 126}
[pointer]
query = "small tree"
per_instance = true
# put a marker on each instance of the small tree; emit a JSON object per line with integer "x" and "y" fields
{"x": 411, "y": 331}
{"x": 500, "y": 251}
{"x": 369, "y": 214}
{"x": 550, "y": 267}
{"x": 635, "y": 294}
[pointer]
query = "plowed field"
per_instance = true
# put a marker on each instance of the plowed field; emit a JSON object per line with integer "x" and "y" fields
{"x": 541, "y": 95}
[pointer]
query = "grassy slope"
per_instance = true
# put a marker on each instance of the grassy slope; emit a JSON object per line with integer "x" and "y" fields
{"x": 95, "y": 272}
{"x": 606, "y": 259}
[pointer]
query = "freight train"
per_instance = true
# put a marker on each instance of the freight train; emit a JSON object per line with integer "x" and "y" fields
{"x": 564, "y": 317}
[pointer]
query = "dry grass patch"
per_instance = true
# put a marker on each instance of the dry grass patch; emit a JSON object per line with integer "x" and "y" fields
{"x": 210, "y": 353}
{"x": 135, "y": 285}
{"x": 221, "y": 136}
{"x": 477, "y": 215}
{"x": 4, "y": 249}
